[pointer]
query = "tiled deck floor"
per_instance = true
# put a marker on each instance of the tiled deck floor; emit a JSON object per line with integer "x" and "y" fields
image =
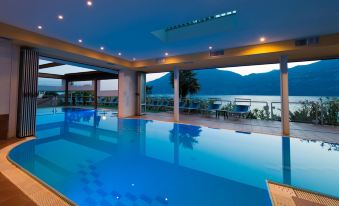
{"x": 329, "y": 134}
{"x": 9, "y": 193}
{"x": 27, "y": 190}
{"x": 283, "y": 195}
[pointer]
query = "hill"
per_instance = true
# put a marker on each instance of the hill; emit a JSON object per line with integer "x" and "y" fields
{"x": 317, "y": 79}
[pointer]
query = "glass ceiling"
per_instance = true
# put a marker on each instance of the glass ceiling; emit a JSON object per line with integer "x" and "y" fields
{"x": 62, "y": 70}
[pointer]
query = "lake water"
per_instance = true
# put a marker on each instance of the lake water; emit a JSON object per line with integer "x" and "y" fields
{"x": 258, "y": 101}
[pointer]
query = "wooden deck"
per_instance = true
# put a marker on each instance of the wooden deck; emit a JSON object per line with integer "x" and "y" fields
{"x": 326, "y": 133}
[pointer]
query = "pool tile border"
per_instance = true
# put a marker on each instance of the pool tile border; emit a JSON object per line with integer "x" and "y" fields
{"x": 39, "y": 192}
{"x": 281, "y": 194}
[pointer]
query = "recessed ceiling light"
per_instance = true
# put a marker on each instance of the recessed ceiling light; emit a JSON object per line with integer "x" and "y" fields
{"x": 89, "y": 3}
{"x": 262, "y": 39}
{"x": 80, "y": 41}
{"x": 166, "y": 54}
{"x": 210, "y": 47}
{"x": 119, "y": 54}
{"x": 39, "y": 27}
{"x": 60, "y": 17}
{"x": 102, "y": 48}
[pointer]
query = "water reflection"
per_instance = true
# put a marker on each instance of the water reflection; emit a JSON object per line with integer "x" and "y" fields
{"x": 185, "y": 135}
{"x": 205, "y": 155}
{"x": 286, "y": 149}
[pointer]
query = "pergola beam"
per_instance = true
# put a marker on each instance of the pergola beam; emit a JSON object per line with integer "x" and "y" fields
{"x": 87, "y": 76}
{"x": 51, "y": 76}
{"x": 83, "y": 76}
{"x": 48, "y": 65}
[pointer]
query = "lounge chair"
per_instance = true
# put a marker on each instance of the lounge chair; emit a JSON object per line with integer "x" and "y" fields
{"x": 70, "y": 101}
{"x": 164, "y": 104}
{"x": 90, "y": 101}
{"x": 79, "y": 101}
{"x": 193, "y": 106}
{"x": 101, "y": 101}
{"x": 213, "y": 107}
{"x": 154, "y": 104}
{"x": 240, "y": 111}
{"x": 113, "y": 101}
{"x": 183, "y": 105}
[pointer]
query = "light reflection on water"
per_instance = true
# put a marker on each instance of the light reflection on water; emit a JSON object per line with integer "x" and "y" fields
{"x": 94, "y": 158}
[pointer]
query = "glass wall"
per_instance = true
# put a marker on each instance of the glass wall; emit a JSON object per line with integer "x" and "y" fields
{"x": 253, "y": 92}
{"x": 159, "y": 93}
{"x": 108, "y": 93}
{"x": 51, "y": 92}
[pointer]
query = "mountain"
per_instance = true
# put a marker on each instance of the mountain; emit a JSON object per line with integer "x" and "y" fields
{"x": 317, "y": 79}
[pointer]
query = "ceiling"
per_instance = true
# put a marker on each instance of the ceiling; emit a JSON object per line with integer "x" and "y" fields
{"x": 125, "y": 26}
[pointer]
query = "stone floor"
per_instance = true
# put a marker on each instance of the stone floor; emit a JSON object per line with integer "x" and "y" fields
{"x": 19, "y": 188}
{"x": 329, "y": 134}
{"x": 9, "y": 193}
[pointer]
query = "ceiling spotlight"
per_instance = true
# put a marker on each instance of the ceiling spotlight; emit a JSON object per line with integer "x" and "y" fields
{"x": 89, "y": 3}
{"x": 210, "y": 47}
{"x": 80, "y": 41}
{"x": 166, "y": 54}
{"x": 102, "y": 48}
{"x": 60, "y": 17}
{"x": 262, "y": 39}
{"x": 119, "y": 54}
{"x": 39, "y": 27}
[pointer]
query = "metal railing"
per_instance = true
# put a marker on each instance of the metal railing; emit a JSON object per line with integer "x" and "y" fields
{"x": 316, "y": 112}
{"x": 55, "y": 101}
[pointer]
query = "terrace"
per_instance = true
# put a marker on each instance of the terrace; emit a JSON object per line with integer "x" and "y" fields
{"x": 78, "y": 126}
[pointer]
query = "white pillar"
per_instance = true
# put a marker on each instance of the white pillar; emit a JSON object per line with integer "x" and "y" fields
{"x": 141, "y": 93}
{"x": 285, "y": 116}
{"x": 176, "y": 95}
{"x": 127, "y": 93}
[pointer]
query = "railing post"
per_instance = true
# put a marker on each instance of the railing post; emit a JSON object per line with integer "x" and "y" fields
{"x": 95, "y": 94}
{"x": 66, "y": 92}
{"x": 285, "y": 116}
{"x": 176, "y": 95}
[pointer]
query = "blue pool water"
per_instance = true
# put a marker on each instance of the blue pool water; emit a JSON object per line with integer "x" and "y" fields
{"x": 94, "y": 158}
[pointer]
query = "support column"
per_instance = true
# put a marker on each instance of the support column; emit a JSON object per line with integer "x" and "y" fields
{"x": 127, "y": 93}
{"x": 176, "y": 95}
{"x": 95, "y": 93}
{"x": 285, "y": 116}
{"x": 141, "y": 93}
{"x": 66, "y": 92}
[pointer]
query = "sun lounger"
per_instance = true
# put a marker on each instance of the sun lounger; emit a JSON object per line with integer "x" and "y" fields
{"x": 240, "y": 111}
{"x": 193, "y": 106}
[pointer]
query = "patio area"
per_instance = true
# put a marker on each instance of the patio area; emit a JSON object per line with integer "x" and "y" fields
{"x": 326, "y": 133}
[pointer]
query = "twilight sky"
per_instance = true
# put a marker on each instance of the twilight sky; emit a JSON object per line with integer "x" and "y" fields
{"x": 244, "y": 70}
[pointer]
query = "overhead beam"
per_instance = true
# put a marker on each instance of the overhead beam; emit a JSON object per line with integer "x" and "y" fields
{"x": 55, "y": 48}
{"x": 53, "y": 64}
{"x": 269, "y": 53}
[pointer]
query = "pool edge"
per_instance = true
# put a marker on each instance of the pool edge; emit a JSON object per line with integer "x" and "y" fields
{"x": 41, "y": 193}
